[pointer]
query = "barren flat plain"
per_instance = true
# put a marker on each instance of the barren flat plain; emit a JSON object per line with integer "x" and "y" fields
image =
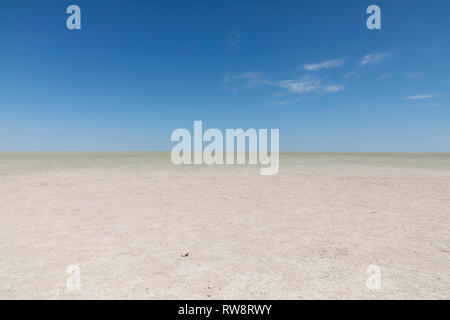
{"x": 139, "y": 227}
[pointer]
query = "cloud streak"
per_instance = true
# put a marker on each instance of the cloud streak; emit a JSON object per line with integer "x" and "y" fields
{"x": 307, "y": 84}
{"x": 303, "y": 85}
{"x": 333, "y": 88}
{"x": 414, "y": 75}
{"x": 248, "y": 80}
{"x": 234, "y": 39}
{"x": 419, "y": 97}
{"x": 374, "y": 58}
{"x": 325, "y": 64}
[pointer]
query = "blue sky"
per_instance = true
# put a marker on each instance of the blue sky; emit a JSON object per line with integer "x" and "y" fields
{"x": 138, "y": 70}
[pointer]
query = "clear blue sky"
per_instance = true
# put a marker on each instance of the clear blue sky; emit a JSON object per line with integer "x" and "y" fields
{"x": 139, "y": 69}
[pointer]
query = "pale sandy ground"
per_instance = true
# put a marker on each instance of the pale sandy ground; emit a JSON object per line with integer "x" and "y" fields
{"x": 309, "y": 232}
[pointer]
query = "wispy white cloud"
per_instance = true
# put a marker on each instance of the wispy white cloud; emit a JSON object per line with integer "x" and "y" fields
{"x": 246, "y": 80}
{"x": 414, "y": 75}
{"x": 374, "y": 58}
{"x": 234, "y": 39}
{"x": 420, "y": 97}
{"x": 287, "y": 102}
{"x": 333, "y": 88}
{"x": 325, "y": 64}
{"x": 435, "y": 104}
{"x": 352, "y": 74}
{"x": 303, "y": 85}
{"x": 384, "y": 76}
{"x": 307, "y": 84}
